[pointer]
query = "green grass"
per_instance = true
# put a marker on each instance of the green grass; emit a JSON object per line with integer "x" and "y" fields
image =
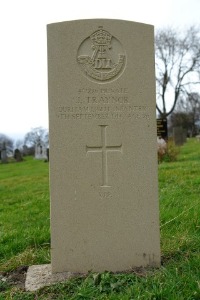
{"x": 25, "y": 237}
{"x": 24, "y": 213}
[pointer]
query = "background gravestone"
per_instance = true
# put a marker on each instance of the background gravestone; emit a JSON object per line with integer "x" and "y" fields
{"x": 40, "y": 150}
{"x": 162, "y": 130}
{"x": 4, "y": 158}
{"x": 103, "y": 166}
{"x": 17, "y": 155}
{"x": 179, "y": 136}
{"x": 47, "y": 154}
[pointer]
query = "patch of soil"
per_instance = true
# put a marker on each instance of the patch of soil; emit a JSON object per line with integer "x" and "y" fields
{"x": 16, "y": 277}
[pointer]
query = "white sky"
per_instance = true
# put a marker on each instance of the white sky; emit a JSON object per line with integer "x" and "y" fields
{"x": 23, "y": 51}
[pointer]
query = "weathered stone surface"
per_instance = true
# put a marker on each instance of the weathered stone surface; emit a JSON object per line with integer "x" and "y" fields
{"x": 41, "y": 275}
{"x": 103, "y": 164}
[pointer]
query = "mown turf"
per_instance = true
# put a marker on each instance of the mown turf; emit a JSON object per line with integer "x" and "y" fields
{"x": 24, "y": 213}
{"x": 25, "y": 237}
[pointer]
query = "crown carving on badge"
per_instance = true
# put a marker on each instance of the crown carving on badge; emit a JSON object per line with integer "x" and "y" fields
{"x": 101, "y": 37}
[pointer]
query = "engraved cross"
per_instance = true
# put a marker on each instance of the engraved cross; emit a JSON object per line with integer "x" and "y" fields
{"x": 104, "y": 149}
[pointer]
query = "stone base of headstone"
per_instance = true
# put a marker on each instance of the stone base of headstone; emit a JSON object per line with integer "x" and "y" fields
{"x": 39, "y": 276}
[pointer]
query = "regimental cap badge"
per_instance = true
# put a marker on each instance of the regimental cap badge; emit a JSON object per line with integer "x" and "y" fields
{"x": 101, "y": 56}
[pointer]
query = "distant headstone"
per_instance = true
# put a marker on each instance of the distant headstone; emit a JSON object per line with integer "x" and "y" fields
{"x": 47, "y": 154}
{"x": 162, "y": 130}
{"x": 103, "y": 166}
{"x": 17, "y": 155}
{"x": 198, "y": 137}
{"x": 179, "y": 136}
{"x": 4, "y": 157}
{"x": 40, "y": 150}
{"x": 25, "y": 150}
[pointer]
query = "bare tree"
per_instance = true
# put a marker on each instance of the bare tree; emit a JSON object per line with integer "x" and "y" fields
{"x": 19, "y": 144}
{"x": 177, "y": 66}
{"x": 35, "y": 136}
{"x": 7, "y": 141}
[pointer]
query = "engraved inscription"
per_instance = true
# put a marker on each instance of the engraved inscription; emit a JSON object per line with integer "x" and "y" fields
{"x": 103, "y": 112}
{"x": 102, "y": 104}
{"x": 105, "y": 195}
{"x": 104, "y": 149}
{"x": 101, "y": 56}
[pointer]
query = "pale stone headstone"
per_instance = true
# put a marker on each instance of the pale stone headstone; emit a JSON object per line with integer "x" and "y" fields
{"x": 40, "y": 150}
{"x": 103, "y": 167}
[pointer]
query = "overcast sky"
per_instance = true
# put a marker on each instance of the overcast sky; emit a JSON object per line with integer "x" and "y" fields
{"x": 23, "y": 51}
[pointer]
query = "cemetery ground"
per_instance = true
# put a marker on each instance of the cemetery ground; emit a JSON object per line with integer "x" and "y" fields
{"x": 25, "y": 236}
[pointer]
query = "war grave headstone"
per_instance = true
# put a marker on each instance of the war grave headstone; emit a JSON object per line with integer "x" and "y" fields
{"x": 103, "y": 166}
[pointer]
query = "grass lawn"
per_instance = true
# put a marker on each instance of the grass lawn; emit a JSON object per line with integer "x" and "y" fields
{"x": 25, "y": 235}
